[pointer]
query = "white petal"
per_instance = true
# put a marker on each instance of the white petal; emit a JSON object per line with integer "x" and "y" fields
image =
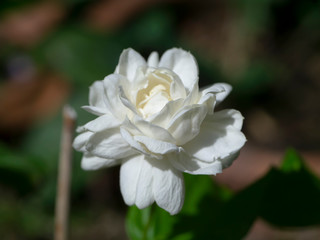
{"x": 183, "y": 64}
{"x": 177, "y": 89}
{"x": 96, "y": 95}
{"x": 153, "y": 59}
{"x": 186, "y": 125}
{"x": 91, "y": 162}
{"x": 168, "y": 187}
{"x": 205, "y": 168}
{"x": 96, "y": 99}
{"x": 101, "y": 123}
{"x": 221, "y": 90}
{"x": 95, "y": 110}
{"x": 156, "y": 146}
{"x": 163, "y": 118}
{"x": 153, "y": 131}
{"x": 140, "y": 82}
{"x": 193, "y": 96}
{"x": 109, "y": 144}
{"x": 134, "y": 144}
{"x": 112, "y": 85}
{"x": 227, "y": 161}
{"x": 129, "y": 62}
{"x": 155, "y": 104}
{"x": 219, "y": 137}
{"x": 209, "y": 100}
{"x": 136, "y": 182}
{"x": 126, "y": 102}
{"x": 229, "y": 117}
{"x": 80, "y": 129}
{"x": 81, "y": 140}
{"x": 185, "y": 163}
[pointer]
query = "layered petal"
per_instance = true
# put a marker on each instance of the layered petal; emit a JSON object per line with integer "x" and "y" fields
{"x": 129, "y": 62}
{"x": 112, "y": 84}
{"x": 220, "y": 90}
{"x": 183, "y": 64}
{"x": 156, "y": 146}
{"x": 143, "y": 181}
{"x": 153, "y": 59}
{"x": 204, "y": 168}
{"x": 109, "y": 144}
{"x": 126, "y": 102}
{"x": 91, "y": 162}
{"x": 187, "y": 164}
{"x": 193, "y": 96}
{"x": 101, "y": 123}
{"x": 135, "y": 144}
{"x": 220, "y": 137}
{"x": 209, "y": 100}
{"x": 168, "y": 187}
{"x": 96, "y": 99}
{"x": 227, "y": 161}
{"x": 95, "y": 110}
{"x": 136, "y": 181}
{"x": 186, "y": 124}
{"x": 81, "y": 140}
{"x": 163, "y": 118}
{"x": 153, "y": 131}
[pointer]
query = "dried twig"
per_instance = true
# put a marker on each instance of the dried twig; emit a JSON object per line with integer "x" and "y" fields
{"x": 64, "y": 175}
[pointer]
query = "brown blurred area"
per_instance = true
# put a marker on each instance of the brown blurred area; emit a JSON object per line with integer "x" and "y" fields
{"x": 217, "y": 30}
{"x": 273, "y": 64}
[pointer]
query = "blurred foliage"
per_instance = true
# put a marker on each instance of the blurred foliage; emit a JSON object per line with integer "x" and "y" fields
{"x": 285, "y": 197}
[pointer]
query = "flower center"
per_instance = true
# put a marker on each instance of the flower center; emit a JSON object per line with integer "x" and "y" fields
{"x": 156, "y": 94}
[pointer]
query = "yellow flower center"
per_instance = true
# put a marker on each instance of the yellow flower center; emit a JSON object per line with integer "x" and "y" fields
{"x": 152, "y": 98}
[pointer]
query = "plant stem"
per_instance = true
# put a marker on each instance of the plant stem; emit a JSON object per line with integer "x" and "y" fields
{"x": 64, "y": 175}
{"x": 145, "y": 232}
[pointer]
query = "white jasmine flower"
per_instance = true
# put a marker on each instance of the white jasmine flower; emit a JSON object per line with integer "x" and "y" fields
{"x": 153, "y": 120}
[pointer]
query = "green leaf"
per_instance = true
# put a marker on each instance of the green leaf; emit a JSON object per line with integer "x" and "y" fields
{"x": 218, "y": 212}
{"x": 79, "y": 54}
{"x": 20, "y": 172}
{"x": 292, "y": 161}
{"x": 286, "y": 197}
{"x": 292, "y": 196}
{"x": 155, "y": 223}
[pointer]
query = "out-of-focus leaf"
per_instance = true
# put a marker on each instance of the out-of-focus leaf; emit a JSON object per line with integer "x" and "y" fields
{"x": 153, "y": 30}
{"x": 152, "y": 223}
{"x": 23, "y": 220}
{"x": 256, "y": 14}
{"x": 292, "y": 196}
{"x": 220, "y": 212}
{"x": 9, "y": 5}
{"x": 155, "y": 223}
{"x": 257, "y": 78}
{"x": 288, "y": 196}
{"x": 20, "y": 172}
{"x": 292, "y": 162}
{"x": 137, "y": 222}
{"x": 79, "y": 54}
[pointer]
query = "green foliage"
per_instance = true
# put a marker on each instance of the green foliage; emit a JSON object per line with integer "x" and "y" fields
{"x": 71, "y": 50}
{"x": 292, "y": 195}
{"x": 287, "y": 197}
{"x": 19, "y": 172}
{"x": 7, "y": 6}
{"x": 292, "y": 162}
{"x": 153, "y": 30}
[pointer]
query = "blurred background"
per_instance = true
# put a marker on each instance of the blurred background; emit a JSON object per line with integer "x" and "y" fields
{"x": 52, "y": 51}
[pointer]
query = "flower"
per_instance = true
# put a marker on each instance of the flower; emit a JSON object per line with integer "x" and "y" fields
{"x": 153, "y": 120}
